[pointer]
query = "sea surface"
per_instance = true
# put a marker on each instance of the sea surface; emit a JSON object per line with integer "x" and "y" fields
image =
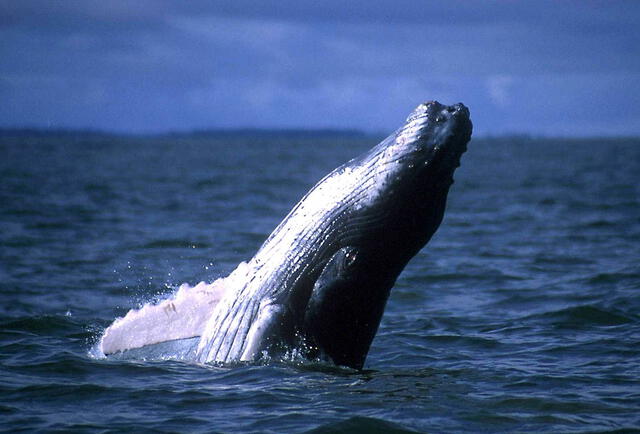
{"x": 521, "y": 315}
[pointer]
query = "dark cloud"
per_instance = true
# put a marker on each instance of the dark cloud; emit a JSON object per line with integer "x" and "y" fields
{"x": 157, "y": 65}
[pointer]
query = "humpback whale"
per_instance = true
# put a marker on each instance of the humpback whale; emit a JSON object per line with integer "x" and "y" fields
{"x": 323, "y": 276}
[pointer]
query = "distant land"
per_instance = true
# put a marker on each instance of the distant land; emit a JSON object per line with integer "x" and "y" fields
{"x": 13, "y": 134}
{"x": 213, "y": 133}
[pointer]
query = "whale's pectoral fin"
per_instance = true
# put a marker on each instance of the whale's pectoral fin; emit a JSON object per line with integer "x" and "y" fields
{"x": 343, "y": 312}
{"x": 183, "y": 316}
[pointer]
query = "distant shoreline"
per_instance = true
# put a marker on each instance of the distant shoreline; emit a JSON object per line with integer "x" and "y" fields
{"x": 265, "y": 133}
{"x": 213, "y": 133}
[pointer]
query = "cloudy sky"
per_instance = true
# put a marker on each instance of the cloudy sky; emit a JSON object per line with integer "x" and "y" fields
{"x": 536, "y": 67}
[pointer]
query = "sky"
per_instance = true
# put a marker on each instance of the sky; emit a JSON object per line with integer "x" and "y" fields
{"x": 544, "y": 68}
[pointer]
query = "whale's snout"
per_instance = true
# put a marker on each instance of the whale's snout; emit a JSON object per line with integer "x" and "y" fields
{"x": 442, "y": 113}
{"x": 458, "y": 110}
{"x": 460, "y": 114}
{"x": 433, "y": 113}
{"x": 434, "y": 138}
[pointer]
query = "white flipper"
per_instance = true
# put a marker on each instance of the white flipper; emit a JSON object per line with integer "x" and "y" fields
{"x": 182, "y": 316}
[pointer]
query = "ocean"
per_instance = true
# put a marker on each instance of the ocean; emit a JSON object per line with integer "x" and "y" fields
{"x": 521, "y": 315}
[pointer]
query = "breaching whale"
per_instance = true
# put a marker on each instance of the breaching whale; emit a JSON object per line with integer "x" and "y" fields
{"x": 323, "y": 276}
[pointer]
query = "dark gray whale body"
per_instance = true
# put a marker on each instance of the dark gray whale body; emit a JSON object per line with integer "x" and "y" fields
{"x": 325, "y": 273}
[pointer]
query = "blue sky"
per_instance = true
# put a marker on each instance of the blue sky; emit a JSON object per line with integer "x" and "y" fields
{"x": 536, "y": 67}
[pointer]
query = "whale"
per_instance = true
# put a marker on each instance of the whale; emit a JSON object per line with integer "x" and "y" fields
{"x": 321, "y": 280}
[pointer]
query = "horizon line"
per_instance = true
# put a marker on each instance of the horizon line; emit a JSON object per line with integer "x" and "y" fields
{"x": 16, "y": 132}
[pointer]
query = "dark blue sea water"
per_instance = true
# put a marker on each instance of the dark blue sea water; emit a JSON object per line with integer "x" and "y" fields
{"x": 521, "y": 315}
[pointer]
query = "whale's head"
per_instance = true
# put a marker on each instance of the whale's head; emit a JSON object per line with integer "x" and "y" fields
{"x": 413, "y": 168}
{"x": 428, "y": 147}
